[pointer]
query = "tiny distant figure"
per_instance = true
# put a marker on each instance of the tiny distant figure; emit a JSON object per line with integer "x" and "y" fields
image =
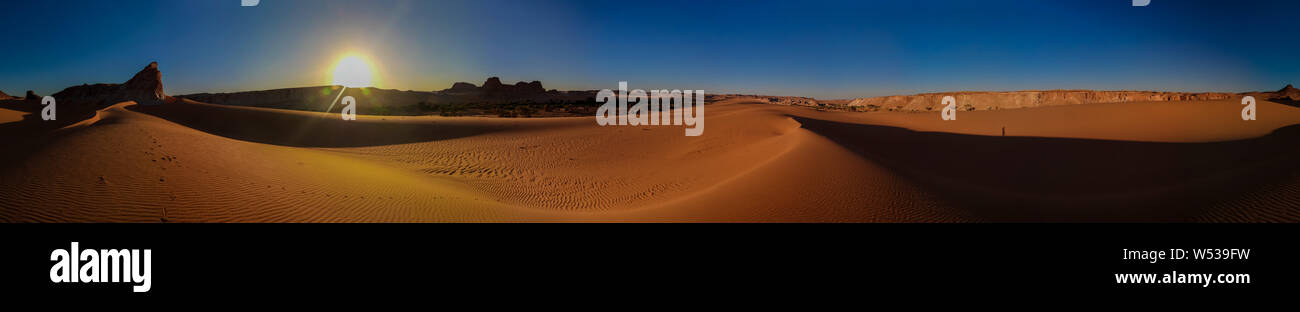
{"x": 1004, "y": 131}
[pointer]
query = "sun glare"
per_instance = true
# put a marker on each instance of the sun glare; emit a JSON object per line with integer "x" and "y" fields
{"x": 353, "y": 71}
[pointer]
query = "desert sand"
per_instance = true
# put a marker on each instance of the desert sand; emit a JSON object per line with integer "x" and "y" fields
{"x": 194, "y": 162}
{"x": 130, "y": 153}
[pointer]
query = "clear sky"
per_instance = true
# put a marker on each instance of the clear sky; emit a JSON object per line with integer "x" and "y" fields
{"x": 824, "y": 49}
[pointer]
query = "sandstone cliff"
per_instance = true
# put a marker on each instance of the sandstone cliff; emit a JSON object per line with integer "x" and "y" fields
{"x": 1022, "y": 99}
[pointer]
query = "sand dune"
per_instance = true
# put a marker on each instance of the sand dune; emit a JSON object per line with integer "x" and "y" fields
{"x": 1178, "y": 121}
{"x": 195, "y": 162}
{"x": 132, "y": 167}
{"x": 8, "y": 115}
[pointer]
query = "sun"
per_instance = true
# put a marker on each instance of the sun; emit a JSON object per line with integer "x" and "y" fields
{"x": 353, "y": 71}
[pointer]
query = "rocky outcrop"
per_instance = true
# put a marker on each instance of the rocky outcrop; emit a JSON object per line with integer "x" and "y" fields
{"x": 534, "y": 87}
{"x": 5, "y": 96}
{"x": 493, "y": 89}
{"x": 492, "y": 85}
{"x": 144, "y": 88}
{"x": 1024, "y": 99}
{"x": 1287, "y": 93}
{"x": 77, "y": 103}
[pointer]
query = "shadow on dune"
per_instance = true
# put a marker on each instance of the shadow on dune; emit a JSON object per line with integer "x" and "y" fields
{"x": 25, "y": 137}
{"x": 1062, "y": 179}
{"x": 21, "y": 139}
{"x": 300, "y": 129}
{"x": 69, "y": 112}
{"x": 1287, "y": 102}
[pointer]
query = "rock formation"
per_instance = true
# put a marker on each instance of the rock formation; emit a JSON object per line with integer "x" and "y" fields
{"x": 31, "y": 96}
{"x": 492, "y": 85}
{"x": 1287, "y": 93}
{"x": 495, "y": 90}
{"x": 144, "y": 88}
{"x": 534, "y": 87}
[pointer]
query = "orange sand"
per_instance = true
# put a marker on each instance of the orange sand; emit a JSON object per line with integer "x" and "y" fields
{"x": 194, "y": 162}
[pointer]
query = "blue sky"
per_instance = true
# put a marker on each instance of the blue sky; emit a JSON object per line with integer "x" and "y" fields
{"x": 825, "y": 49}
